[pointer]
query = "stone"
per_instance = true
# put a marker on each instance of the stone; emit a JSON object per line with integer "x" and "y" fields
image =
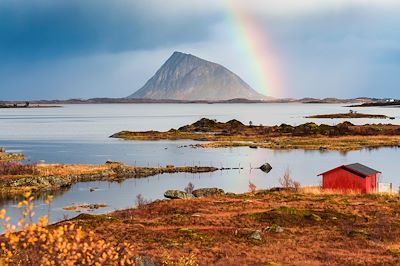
{"x": 256, "y": 235}
{"x": 142, "y": 261}
{"x": 274, "y": 229}
{"x": 207, "y": 192}
{"x": 266, "y": 168}
{"x": 177, "y": 194}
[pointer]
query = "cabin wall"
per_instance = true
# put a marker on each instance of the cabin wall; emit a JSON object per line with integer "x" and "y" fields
{"x": 372, "y": 184}
{"x": 345, "y": 181}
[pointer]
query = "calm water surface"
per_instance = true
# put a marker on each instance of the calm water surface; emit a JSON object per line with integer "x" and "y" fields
{"x": 79, "y": 134}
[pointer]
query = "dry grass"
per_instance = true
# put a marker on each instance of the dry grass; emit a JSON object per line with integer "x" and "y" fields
{"x": 317, "y": 190}
{"x": 71, "y": 169}
{"x": 345, "y": 143}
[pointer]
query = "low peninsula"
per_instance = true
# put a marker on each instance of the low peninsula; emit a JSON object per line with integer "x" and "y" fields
{"x": 350, "y": 115}
{"x": 310, "y": 136}
{"x": 17, "y": 177}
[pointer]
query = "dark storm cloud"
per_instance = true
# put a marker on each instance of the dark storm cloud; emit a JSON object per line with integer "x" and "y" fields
{"x": 93, "y": 48}
{"x": 46, "y": 28}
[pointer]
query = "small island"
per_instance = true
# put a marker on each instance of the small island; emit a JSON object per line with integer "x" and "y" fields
{"x": 350, "y": 115}
{"x": 309, "y": 136}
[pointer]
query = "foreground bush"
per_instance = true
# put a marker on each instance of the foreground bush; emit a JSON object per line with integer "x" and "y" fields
{"x": 37, "y": 244}
{"x": 16, "y": 168}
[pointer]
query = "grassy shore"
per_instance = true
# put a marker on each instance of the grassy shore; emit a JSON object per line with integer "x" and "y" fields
{"x": 343, "y": 137}
{"x": 350, "y": 115}
{"x": 262, "y": 228}
{"x": 17, "y": 178}
{"x": 346, "y": 143}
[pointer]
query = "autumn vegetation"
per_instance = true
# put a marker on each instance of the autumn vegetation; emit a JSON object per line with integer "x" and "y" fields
{"x": 304, "y": 227}
{"x": 31, "y": 243}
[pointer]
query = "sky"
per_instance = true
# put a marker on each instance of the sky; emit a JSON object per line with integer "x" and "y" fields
{"x": 282, "y": 48}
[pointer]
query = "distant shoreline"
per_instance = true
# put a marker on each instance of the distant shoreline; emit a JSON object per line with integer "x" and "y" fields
{"x": 2, "y": 106}
{"x": 378, "y": 104}
{"x": 238, "y": 100}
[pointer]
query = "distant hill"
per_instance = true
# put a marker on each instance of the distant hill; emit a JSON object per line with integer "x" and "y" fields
{"x": 187, "y": 77}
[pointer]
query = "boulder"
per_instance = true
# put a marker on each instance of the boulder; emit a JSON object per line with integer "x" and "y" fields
{"x": 177, "y": 194}
{"x": 266, "y": 168}
{"x": 207, "y": 192}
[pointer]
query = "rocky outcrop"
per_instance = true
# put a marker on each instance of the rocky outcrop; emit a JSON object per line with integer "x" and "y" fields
{"x": 207, "y": 192}
{"x": 198, "y": 193}
{"x": 177, "y": 194}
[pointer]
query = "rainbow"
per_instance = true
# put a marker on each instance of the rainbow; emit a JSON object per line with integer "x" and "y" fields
{"x": 253, "y": 43}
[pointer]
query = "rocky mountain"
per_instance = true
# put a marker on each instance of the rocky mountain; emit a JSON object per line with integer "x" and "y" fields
{"x": 187, "y": 77}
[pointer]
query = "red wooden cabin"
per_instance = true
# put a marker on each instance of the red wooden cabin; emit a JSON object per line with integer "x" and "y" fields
{"x": 353, "y": 177}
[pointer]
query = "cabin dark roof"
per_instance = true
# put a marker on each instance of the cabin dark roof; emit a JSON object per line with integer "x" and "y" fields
{"x": 357, "y": 168}
{"x": 362, "y": 169}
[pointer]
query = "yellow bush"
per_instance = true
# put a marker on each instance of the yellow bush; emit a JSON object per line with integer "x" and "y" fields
{"x": 31, "y": 243}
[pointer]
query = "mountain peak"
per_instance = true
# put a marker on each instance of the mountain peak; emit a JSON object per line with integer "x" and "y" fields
{"x": 188, "y": 77}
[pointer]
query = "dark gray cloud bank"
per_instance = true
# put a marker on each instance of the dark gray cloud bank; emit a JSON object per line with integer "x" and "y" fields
{"x": 70, "y": 49}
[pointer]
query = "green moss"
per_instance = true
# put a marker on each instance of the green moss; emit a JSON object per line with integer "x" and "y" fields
{"x": 293, "y": 216}
{"x": 313, "y": 217}
{"x": 393, "y": 251}
{"x": 271, "y": 263}
{"x": 358, "y": 233}
{"x": 190, "y": 233}
{"x": 185, "y": 230}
